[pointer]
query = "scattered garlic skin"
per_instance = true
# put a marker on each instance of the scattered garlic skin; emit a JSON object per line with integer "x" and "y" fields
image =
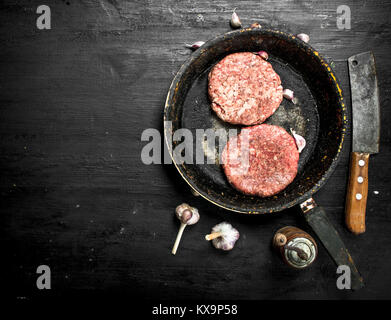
{"x": 300, "y": 141}
{"x": 255, "y": 25}
{"x": 235, "y": 21}
{"x": 229, "y": 235}
{"x": 195, "y": 45}
{"x": 187, "y": 214}
{"x": 288, "y": 94}
{"x": 303, "y": 37}
{"x": 263, "y": 54}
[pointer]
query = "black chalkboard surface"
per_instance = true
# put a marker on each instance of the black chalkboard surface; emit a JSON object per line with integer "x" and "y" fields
{"x": 75, "y": 195}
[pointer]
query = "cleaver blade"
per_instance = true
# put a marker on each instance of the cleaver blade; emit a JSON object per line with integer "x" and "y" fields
{"x": 365, "y": 103}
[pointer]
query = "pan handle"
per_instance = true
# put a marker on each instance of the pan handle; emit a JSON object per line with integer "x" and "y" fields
{"x": 317, "y": 219}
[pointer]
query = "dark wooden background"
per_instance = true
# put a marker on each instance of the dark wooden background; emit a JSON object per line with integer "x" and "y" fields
{"x": 75, "y": 195}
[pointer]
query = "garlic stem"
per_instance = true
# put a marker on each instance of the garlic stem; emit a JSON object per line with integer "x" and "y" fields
{"x": 178, "y": 238}
{"x": 213, "y": 235}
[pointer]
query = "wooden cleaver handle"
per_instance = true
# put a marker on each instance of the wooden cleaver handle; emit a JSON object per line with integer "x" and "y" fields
{"x": 356, "y": 197}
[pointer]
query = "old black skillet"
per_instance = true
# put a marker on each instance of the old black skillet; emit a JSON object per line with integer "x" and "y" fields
{"x": 319, "y": 115}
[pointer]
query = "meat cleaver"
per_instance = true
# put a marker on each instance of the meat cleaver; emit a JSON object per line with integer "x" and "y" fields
{"x": 365, "y": 137}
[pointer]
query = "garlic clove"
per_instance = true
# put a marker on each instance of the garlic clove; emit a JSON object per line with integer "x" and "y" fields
{"x": 223, "y": 236}
{"x": 288, "y": 94}
{"x": 187, "y": 214}
{"x": 194, "y": 218}
{"x": 195, "y": 45}
{"x": 263, "y": 54}
{"x": 303, "y": 37}
{"x": 300, "y": 141}
{"x": 235, "y": 21}
{"x": 180, "y": 209}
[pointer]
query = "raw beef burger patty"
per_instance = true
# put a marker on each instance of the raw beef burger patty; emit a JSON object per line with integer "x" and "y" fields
{"x": 272, "y": 160}
{"x": 244, "y": 89}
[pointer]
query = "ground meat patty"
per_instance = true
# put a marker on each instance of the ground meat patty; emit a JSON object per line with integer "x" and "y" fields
{"x": 244, "y": 89}
{"x": 271, "y": 155}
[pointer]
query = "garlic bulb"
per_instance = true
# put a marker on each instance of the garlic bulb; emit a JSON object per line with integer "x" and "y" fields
{"x": 187, "y": 215}
{"x": 223, "y": 236}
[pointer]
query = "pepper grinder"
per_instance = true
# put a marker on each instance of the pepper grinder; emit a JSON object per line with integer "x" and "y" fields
{"x": 297, "y": 248}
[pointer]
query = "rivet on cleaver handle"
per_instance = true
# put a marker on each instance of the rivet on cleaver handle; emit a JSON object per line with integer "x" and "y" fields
{"x": 366, "y": 134}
